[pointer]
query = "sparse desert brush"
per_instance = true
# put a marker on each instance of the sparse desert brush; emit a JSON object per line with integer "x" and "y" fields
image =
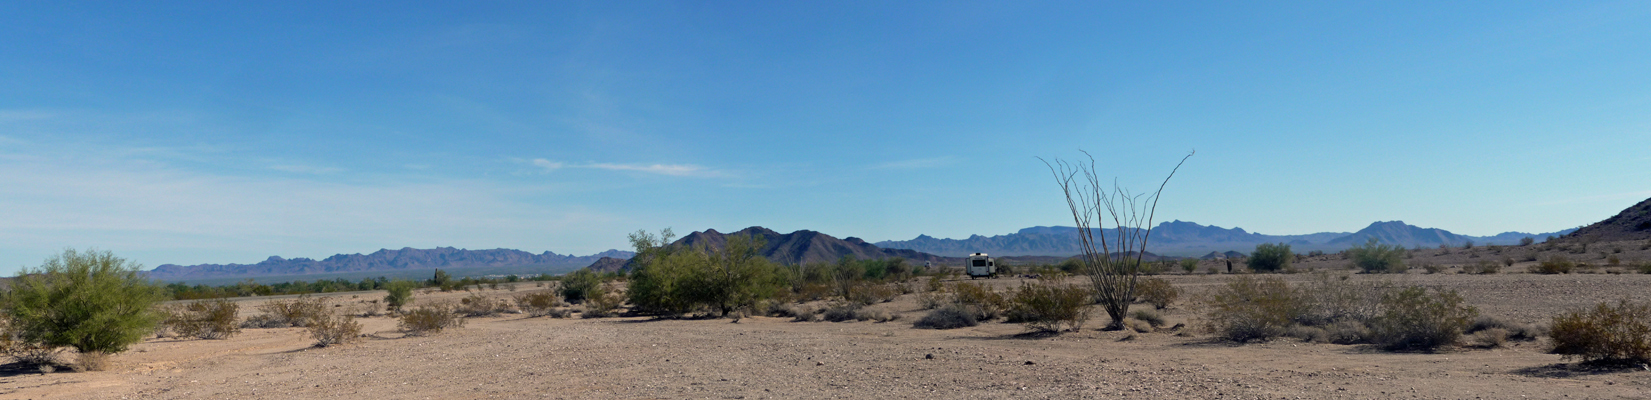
{"x": 429, "y": 319}
{"x": 868, "y": 293}
{"x": 1149, "y": 316}
{"x": 1520, "y": 332}
{"x": 1605, "y": 334}
{"x": 602, "y": 302}
{"x": 1489, "y": 338}
{"x": 1416, "y": 318}
{"x": 1373, "y": 257}
{"x": 1645, "y": 267}
{"x": 802, "y": 313}
{"x": 12, "y": 344}
{"x": 1189, "y": 264}
{"x": 299, "y": 312}
{"x": 205, "y": 319}
{"x": 1348, "y": 332}
{"x": 1250, "y": 309}
{"x": 1432, "y": 268}
{"x": 477, "y": 305}
{"x": 538, "y": 304}
{"x": 1310, "y": 334}
{"x": 948, "y": 317}
{"x": 842, "y": 312}
{"x": 979, "y": 298}
{"x": 1049, "y": 306}
{"x": 1158, "y": 292}
{"x": 1554, "y": 265}
{"x": 333, "y": 329}
{"x": 400, "y": 293}
{"x": 577, "y": 284}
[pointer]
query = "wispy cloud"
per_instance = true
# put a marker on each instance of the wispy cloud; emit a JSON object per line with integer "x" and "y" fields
{"x": 25, "y": 115}
{"x": 918, "y": 163}
{"x": 683, "y": 170}
{"x": 305, "y": 169}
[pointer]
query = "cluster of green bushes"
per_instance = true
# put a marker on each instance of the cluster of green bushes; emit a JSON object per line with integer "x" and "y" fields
{"x": 1338, "y": 310}
{"x": 440, "y": 279}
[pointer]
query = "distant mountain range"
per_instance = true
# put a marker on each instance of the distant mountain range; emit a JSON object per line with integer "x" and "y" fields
{"x": 1633, "y": 223}
{"x": 1181, "y": 238}
{"x": 383, "y": 260}
{"x": 795, "y": 248}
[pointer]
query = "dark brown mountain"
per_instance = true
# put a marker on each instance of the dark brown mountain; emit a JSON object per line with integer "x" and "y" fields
{"x": 382, "y": 260}
{"x": 608, "y": 264}
{"x": 804, "y": 247}
{"x": 1633, "y": 223}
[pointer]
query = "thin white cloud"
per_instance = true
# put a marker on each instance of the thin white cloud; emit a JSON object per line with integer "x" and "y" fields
{"x": 305, "y": 169}
{"x": 683, "y": 170}
{"x": 25, "y": 115}
{"x": 918, "y": 163}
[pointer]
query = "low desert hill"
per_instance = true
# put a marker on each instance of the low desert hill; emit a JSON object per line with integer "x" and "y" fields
{"x": 382, "y": 260}
{"x": 795, "y": 248}
{"x": 1633, "y": 223}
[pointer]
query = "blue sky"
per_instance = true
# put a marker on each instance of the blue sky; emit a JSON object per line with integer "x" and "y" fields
{"x": 217, "y": 132}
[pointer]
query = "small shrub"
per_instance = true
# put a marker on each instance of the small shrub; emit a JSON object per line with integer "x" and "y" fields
{"x": 476, "y": 305}
{"x": 1605, "y": 334}
{"x": 1414, "y": 318}
{"x": 867, "y": 293}
{"x": 1148, "y": 316}
{"x": 842, "y": 312}
{"x": 1612, "y": 260}
{"x": 1645, "y": 267}
{"x": 934, "y": 299}
{"x": 1526, "y": 241}
{"x": 91, "y": 301}
{"x": 299, "y": 312}
{"x": 1249, "y": 309}
{"x": 400, "y": 293}
{"x": 205, "y": 319}
{"x": 91, "y": 361}
{"x": 577, "y": 285}
{"x": 1048, "y": 306}
{"x": 979, "y": 298}
{"x": 949, "y": 317}
{"x": 1489, "y": 338}
{"x": 13, "y": 345}
{"x": 1158, "y": 292}
{"x": 329, "y": 330}
{"x": 1373, "y": 257}
{"x": 1308, "y": 334}
{"x": 1270, "y": 257}
{"x": 1554, "y": 265}
{"x": 430, "y": 319}
{"x": 1348, "y": 332}
{"x": 1432, "y": 268}
{"x": 803, "y": 314}
{"x": 1189, "y": 264}
{"x": 538, "y": 304}
{"x": 602, "y": 302}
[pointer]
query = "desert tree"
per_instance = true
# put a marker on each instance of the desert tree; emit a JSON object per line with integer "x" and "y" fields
{"x": 92, "y": 301}
{"x": 1271, "y": 257}
{"x": 737, "y": 275}
{"x": 1112, "y": 262}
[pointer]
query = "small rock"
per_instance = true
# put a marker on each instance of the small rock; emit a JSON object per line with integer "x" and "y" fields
{"x": 817, "y": 363}
{"x": 1030, "y": 363}
{"x": 929, "y": 356}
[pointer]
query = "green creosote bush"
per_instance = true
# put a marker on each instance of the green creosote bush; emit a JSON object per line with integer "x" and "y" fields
{"x": 1248, "y": 309}
{"x": 980, "y": 299}
{"x": 1416, "y": 318}
{"x": 1048, "y": 306}
{"x": 1606, "y": 334}
{"x": 1189, "y": 264}
{"x": 1158, "y": 292}
{"x": 429, "y": 319}
{"x": 1554, "y": 265}
{"x": 948, "y": 317}
{"x": 1432, "y": 268}
{"x": 1374, "y": 257}
{"x": 299, "y": 312}
{"x": 331, "y": 329}
{"x": 400, "y": 293}
{"x": 603, "y": 302}
{"x": 671, "y": 280}
{"x": 1269, "y": 257}
{"x": 577, "y": 285}
{"x": 204, "y": 319}
{"x": 477, "y": 305}
{"x": 91, "y": 301}
{"x": 538, "y": 304}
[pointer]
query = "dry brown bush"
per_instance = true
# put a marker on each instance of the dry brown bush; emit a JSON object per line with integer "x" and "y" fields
{"x": 205, "y": 319}
{"x": 1049, "y": 306}
{"x": 1605, "y": 334}
{"x": 334, "y": 329}
{"x": 477, "y": 305}
{"x": 91, "y": 361}
{"x": 299, "y": 312}
{"x": 979, "y": 299}
{"x": 538, "y": 304}
{"x": 430, "y": 319}
{"x": 1158, "y": 292}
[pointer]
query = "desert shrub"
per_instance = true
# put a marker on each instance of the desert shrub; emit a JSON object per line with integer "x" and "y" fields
{"x": 297, "y": 312}
{"x": 477, "y": 305}
{"x": 933, "y": 299}
{"x": 868, "y": 293}
{"x": 948, "y": 317}
{"x": 602, "y": 302}
{"x": 1311, "y": 334}
{"x": 1554, "y": 265}
{"x": 1334, "y": 298}
{"x": 867, "y": 314}
{"x": 330, "y": 329}
{"x": 1512, "y": 331}
{"x": 1645, "y": 267}
{"x": 1612, "y": 260}
{"x": 205, "y": 319}
{"x": 1269, "y": 257}
{"x": 673, "y": 280}
{"x": 1488, "y": 267}
{"x": 1526, "y": 241}
{"x": 1049, "y": 306}
{"x": 1148, "y": 316}
{"x": 803, "y": 314}
{"x": 577, "y": 285}
{"x": 841, "y": 312}
{"x": 91, "y": 301}
{"x": 1607, "y": 334}
{"x": 1415, "y": 318}
{"x": 1489, "y": 338}
{"x": 980, "y": 299}
{"x": 13, "y": 345}
{"x": 1432, "y": 268}
{"x": 1250, "y": 309}
{"x": 429, "y": 319}
{"x": 538, "y": 304}
{"x": 1157, "y": 292}
{"x": 1189, "y": 264}
{"x": 1347, "y": 332}
{"x": 1373, "y": 257}
{"x": 400, "y": 293}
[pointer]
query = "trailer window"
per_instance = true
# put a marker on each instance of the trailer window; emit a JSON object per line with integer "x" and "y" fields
{"x": 980, "y": 263}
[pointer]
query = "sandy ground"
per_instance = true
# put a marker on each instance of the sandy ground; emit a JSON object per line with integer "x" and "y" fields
{"x": 771, "y": 358}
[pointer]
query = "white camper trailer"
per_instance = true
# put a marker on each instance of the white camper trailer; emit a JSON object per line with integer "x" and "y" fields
{"x": 979, "y": 265}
